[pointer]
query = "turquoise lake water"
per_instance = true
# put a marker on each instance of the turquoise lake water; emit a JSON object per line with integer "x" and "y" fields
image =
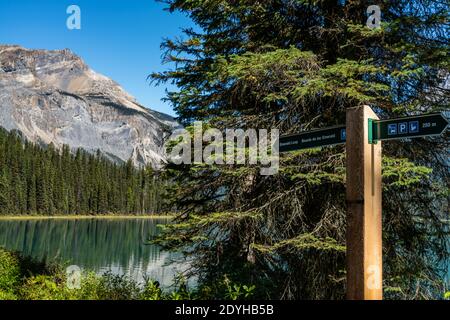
{"x": 115, "y": 245}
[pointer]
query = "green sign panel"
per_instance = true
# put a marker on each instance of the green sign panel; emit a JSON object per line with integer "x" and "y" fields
{"x": 408, "y": 127}
{"x": 400, "y": 128}
{"x": 313, "y": 139}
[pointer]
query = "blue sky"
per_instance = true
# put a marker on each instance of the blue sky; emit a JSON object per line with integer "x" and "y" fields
{"x": 118, "y": 38}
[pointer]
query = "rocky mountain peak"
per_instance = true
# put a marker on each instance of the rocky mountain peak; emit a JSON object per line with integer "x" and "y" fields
{"x": 52, "y": 96}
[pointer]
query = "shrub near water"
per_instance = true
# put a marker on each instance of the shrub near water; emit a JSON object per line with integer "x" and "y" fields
{"x": 9, "y": 274}
{"x": 27, "y": 279}
{"x": 43, "y": 287}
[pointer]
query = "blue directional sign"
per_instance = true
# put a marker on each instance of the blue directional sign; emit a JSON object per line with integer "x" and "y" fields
{"x": 403, "y": 128}
{"x": 408, "y": 127}
{"x": 392, "y": 129}
{"x": 343, "y": 134}
{"x": 414, "y": 127}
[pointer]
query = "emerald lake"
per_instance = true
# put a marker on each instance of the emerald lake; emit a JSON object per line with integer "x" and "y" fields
{"x": 98, "y": 244}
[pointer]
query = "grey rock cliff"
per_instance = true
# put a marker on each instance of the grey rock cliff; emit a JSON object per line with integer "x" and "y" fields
{"x": 54, "y": 97}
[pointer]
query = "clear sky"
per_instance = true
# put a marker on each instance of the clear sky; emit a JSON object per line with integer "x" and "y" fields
{"x": 118, "y": 38}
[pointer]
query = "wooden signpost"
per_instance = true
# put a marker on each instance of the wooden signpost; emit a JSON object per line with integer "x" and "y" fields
{"x": 361, "y": 134}
{"x": 363, "y": 195}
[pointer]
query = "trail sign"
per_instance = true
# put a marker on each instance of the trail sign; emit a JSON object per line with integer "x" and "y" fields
{"x": 407, "y": 127}
{"x": 363, "y": 185}
{"x": 312, "y": 139}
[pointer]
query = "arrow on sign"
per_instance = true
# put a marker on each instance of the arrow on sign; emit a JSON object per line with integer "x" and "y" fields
{"x": 312, "y": 139}
{"x": 407, "y": 127}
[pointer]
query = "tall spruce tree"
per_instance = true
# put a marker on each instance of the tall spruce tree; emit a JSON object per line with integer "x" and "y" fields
{"x": 296, "y": 65}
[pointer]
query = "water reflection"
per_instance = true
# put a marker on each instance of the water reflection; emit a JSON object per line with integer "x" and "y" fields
{"x": 116, "y": 245}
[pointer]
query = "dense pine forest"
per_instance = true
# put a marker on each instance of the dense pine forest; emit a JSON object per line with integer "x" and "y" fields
{"x": 38, "y": 180}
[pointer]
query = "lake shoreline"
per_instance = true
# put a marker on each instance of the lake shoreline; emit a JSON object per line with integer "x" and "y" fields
{"x": 84, "y": 217}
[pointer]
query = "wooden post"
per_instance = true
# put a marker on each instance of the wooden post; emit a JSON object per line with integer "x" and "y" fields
{"x": 364, "y": 243}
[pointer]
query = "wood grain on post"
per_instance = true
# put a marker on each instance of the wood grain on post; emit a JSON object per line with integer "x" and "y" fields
{"x": 364, "y": 243}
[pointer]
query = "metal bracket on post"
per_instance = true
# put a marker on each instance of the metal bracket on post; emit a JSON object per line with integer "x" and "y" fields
{"x": 372, "y": 134}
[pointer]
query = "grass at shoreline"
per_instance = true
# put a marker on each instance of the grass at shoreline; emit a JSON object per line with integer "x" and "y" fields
{"x": 81, "y": 217}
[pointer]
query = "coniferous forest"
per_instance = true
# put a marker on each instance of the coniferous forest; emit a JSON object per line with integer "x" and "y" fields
{"x": 38, "y": 180}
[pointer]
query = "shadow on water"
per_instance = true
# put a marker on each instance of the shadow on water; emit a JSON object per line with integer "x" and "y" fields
{"x": 100, "y": 245}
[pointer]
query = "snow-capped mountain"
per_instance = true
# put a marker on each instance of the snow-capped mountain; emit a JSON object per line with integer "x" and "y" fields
{"x": 54, "y": 97}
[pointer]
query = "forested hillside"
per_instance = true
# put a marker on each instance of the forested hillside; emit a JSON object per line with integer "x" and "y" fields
{"x": 47, "y": 181}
